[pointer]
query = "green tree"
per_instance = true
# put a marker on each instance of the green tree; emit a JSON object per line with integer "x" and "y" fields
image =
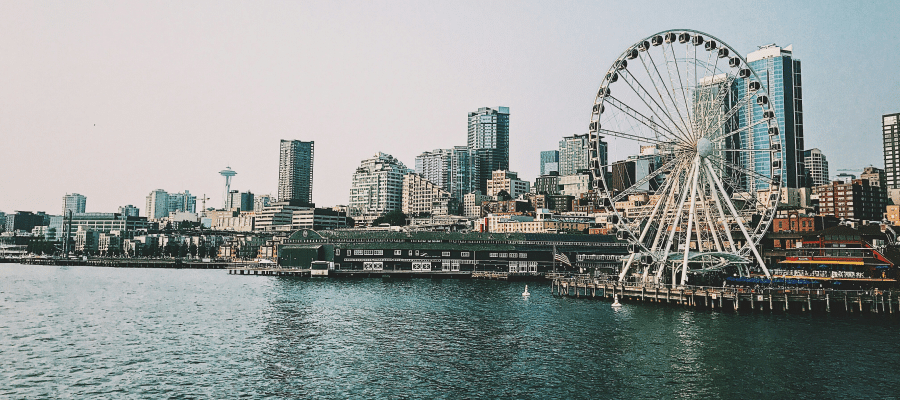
{"x": 393, "y": 218}
{"x": 193, "y": 250}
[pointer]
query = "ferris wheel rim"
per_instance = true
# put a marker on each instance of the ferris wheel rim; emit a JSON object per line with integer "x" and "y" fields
{"x": 774, "y": 186}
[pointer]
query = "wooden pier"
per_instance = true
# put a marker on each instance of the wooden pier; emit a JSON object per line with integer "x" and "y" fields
{"x": 270, "y": 271}
{"x": 735, "y": 298}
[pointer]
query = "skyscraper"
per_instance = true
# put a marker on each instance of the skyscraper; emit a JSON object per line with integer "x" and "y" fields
{"x": 377, "y": 187}
{"x": 73, "y": 202}
{"x": 435, "y": 167}
{"x": 549, "y": 161}
{"x": 241, "y": 200}
{"x": 460, "y": 176}
{"x": 295, "y": 171}
{"x": 890, "y": 129}
{"x": 488, "y": 143}
{"x": 574, "y": 154}
{"x": 816, "y": 167}
{"x": 157, "y": 204}
{"x": 780, "y": 73}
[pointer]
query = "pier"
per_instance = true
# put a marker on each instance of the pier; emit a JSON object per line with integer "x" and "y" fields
{"x": 736, "y": 299}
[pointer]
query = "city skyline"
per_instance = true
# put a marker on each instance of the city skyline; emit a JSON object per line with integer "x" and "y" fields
{"x": 74, "y": 99}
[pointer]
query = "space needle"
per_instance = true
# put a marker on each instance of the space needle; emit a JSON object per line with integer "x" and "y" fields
{"x": 227, "y": 173}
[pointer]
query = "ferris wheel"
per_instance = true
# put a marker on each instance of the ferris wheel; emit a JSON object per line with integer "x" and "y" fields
{"x": 698, "y": 156}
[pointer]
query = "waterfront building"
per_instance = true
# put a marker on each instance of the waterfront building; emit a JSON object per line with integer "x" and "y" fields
{"x": 108, "y": 222}
{"x": 260, "y": 201}
{"x": 574, "y": 154}
{"x": 295, "y": 171}
{"x": 86, "y": 240}
{"x": 575, "y": 184}
{"x": 157, "y": 204}
{"x": 279, "y": 215}
{"x": 488, "y": 142}
{"x": 460, "y": 174}
{"x": 779, "y": 71}
{"x": 369, "y": 252}
{"x": 547, "y": 184}
{"x": 855, "y": 200}
{"x": 845, "y": 177}
{"x": 549, "y": 162}
{"x": 183, "y": 202}
{"x": 73, "y": 202}
{"x": 509, "y": 182}
{"x": 239, "y": 200}
{"x": 129, "y": 211}
{"x": 24, "y": 221}
{"x": 435, "y": 167}
{"x": 875, "y": 176}
{"x": 232, "y": 220}
{"x": 319, "y": 219}
{"x": 420, "y": 194}
{"x": 377, "y": 188}
{"x": 816, "y": 167}
{"x": 890, "y": 130}
{"x": 472, "y": 203}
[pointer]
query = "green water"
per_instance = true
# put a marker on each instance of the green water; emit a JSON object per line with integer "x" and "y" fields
{"x": 82, "y": 332}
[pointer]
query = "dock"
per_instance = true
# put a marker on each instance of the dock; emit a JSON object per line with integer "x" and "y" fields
{"x": 734, "y": 299}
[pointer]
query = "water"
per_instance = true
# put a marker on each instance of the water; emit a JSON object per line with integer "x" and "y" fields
{"x": 83, "y": 332}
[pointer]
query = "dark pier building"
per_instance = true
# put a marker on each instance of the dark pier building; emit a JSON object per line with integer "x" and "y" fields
{"x": 450, "y": 253}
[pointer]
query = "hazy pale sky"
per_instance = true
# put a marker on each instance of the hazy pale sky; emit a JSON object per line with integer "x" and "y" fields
{"x": 115, "y": 99}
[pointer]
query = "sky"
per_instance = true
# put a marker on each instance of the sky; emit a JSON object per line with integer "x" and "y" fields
{"x": 113, "y": 99}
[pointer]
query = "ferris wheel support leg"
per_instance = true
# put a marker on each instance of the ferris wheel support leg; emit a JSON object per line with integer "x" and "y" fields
{"x": 625, "y": 268}
{"x": 678, "y": 212}
{"x": 725, "y": 225}
{"x": 737, "y": 218}
{"x": 687, "y": 245}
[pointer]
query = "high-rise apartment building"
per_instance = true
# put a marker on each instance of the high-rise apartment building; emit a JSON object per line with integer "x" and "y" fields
{"x": 460, "y": 176}
{"x": 779, "y": 71}
{"x": 435, "y": 167}
{"x": 488, "y": 142}
{"x": 295, "y": 171}
{"x": 73, "y": 202}
{"x": 420, "y": 194}
{"x": 816, "y": 167}
{"x": 184, "y": 202}
{"x": 549, "y": 161}
{"x": 129, "y": 211}
{"x": 377, "y": 187}
{"x": 157, "y": 204}
{"x": 509, "y": 182}
{"x": 890, "y": 129}
{"x": 263, "y": 200}
{"x": 574, "y": 154}
{"x": 241, "y": 200}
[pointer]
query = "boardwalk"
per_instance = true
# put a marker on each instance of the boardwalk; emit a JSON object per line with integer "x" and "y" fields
{"x": 735, "y": 298}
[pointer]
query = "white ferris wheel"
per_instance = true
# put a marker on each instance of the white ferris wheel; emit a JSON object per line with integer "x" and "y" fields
{"x": 697, "y": 168}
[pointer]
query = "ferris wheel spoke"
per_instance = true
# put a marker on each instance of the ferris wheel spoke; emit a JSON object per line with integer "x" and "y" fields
{"x": 635, "y": 187}
{"x": 744, "y": 128}
{"x": 738, "y": 219}
{"x": 724, "y": 218}
{"x": 766, "y": 179}
{"x": 638, "y": 117}
{"x": 668, "y": 92}
{"x": 679, "y": 210}
{"x": 723, "y": 91}
{"x": 628, "y": 77}
{"x": 682, "y": 84}
{"x": 678, "y": 87}
{"x": 741, "y": 103}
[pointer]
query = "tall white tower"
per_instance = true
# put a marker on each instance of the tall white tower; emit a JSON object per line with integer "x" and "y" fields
{"x": 227, "y": 173}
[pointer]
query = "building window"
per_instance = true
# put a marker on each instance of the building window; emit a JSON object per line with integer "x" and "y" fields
{"x": 464, "y": 254}
{"x": 445, "y": 254}
{"x": 398, "y": 252}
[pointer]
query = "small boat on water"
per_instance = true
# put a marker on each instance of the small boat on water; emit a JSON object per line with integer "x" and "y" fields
{"x": 616, "y": 303}
{"x": 526, "y": 293}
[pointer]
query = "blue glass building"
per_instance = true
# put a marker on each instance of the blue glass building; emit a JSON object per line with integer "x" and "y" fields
{"x": 780, "y": 73}
{"x": 549, "y": 161}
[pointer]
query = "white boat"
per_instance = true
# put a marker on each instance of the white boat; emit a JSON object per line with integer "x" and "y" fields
{"x": 526, "y": 293}
{"x": 616, "y": 303}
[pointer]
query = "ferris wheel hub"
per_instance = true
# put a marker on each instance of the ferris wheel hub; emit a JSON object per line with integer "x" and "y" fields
{"x": 704, "y": 147}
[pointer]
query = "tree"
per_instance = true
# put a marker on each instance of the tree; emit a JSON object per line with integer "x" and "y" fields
{"x": 193, "y": 250}
{"x": 393, "y": 218}
{"x": 504, "y": 196}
